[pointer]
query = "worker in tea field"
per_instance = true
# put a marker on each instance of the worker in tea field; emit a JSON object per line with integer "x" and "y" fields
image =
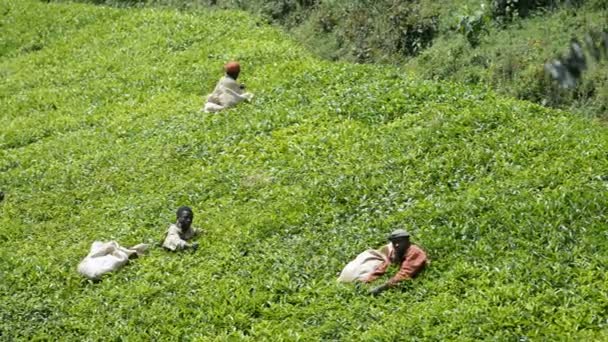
{"x": 181, "y": 231}
{"x": 410, "y": 259}
{"x": 227, "y": 92}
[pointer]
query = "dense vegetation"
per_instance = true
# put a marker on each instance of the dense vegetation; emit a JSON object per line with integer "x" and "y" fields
{"x": 500, "y": 44}
{"x": 102, "y": 138}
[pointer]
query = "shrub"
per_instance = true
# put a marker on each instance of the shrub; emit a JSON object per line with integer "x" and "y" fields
{"x": 372, "y": 31}
{"x": 472, "y": 26}
{"x": 508, "y": 9}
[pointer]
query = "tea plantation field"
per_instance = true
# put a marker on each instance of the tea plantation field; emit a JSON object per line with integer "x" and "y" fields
{"x": 102, "y": 138}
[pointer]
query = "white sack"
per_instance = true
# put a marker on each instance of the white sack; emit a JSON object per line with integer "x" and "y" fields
{"x": 106, "y": 257}
{"x": 363, "y": 265}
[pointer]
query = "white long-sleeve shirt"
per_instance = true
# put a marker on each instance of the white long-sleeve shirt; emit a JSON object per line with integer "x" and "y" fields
{"x": 227, "y": 93}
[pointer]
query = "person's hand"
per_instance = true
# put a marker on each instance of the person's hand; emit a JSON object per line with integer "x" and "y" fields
{"x": 194, "y": 246}
{"x": 378, "y": 290}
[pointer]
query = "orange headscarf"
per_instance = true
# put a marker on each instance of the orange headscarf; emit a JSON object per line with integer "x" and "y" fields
{"x": 232, "y": 68}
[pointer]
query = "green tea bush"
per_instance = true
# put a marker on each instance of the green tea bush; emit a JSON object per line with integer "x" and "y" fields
{"x": 103, "y": 138}
{"x": 407, "y": 32}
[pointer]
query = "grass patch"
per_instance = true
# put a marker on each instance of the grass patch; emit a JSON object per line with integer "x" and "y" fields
{"x": 103, "y": 138}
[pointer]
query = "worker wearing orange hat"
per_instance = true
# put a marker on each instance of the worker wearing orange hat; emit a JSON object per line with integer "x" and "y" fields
{"x": 227, "y": 92}
{"x": 232, "y": 69}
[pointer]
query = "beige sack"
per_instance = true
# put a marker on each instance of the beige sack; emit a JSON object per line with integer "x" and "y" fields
{"x": 105, "y": 257}
{"x": 363, "y": 265}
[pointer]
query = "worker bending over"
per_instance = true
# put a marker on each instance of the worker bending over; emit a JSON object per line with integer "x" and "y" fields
{"x": 227, "y": 92}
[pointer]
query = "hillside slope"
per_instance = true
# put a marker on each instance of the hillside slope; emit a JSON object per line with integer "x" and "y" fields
{"x": 102, "y": 138}
{"x": 499, "y": 44}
